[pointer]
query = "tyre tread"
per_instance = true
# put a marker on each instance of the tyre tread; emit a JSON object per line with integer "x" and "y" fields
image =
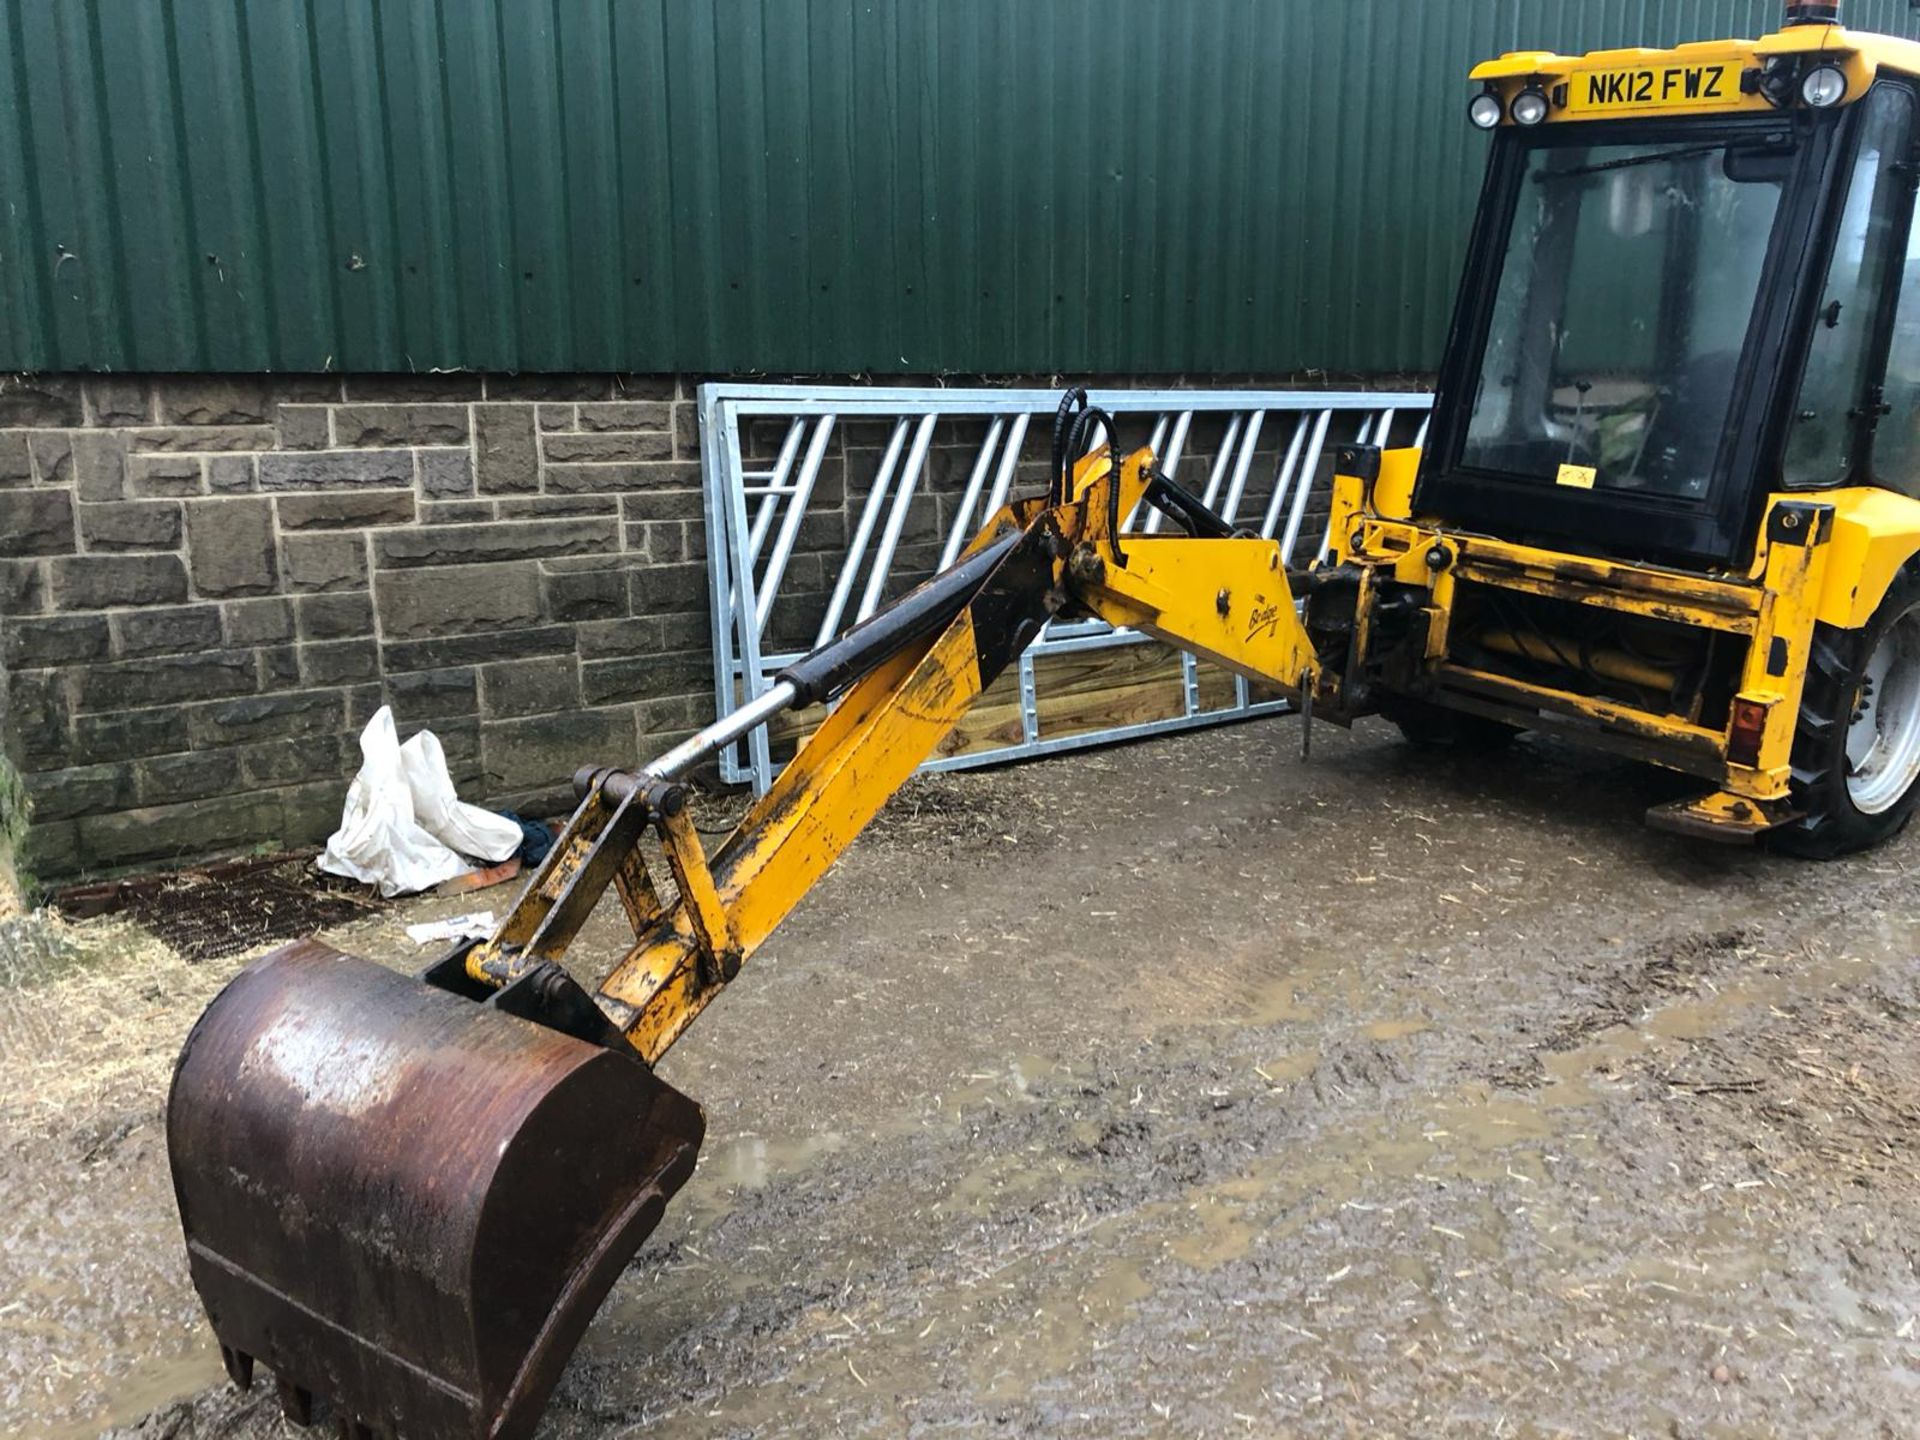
{"x": 1829, "y": 826}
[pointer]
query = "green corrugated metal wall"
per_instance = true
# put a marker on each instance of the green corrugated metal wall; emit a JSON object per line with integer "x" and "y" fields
{"x": 767, "y": 185}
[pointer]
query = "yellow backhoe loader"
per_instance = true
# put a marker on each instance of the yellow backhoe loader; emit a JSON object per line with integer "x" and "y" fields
{"x": 1666, "y": 509}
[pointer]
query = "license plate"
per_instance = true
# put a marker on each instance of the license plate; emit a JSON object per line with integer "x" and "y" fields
{"x": 1653, "y": 87}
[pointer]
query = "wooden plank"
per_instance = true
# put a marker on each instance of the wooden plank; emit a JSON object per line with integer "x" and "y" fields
{"x": 1075, "y": 694}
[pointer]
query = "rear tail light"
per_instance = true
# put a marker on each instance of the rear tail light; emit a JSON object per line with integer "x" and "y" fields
{"x": 1748, "y": 729}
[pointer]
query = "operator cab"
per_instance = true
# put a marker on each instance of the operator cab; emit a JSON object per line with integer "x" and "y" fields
{"x": 1684, "y": 292}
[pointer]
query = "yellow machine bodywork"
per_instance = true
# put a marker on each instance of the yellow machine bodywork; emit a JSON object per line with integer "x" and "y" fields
{"x": 1825, "y": 558}
{"x": 1875, "y": 533}
{"x": 1818, "y": 559}
{"x": 1699, "y": 79}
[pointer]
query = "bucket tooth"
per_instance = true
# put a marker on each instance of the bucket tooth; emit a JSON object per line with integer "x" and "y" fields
{"x": 296, "y": 1403}
{"x": 239, "y": 1366}
{"x": 408, "y": 1202}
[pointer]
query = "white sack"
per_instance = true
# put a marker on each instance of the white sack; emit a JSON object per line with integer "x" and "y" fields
{"x": 443, "y": 814}
{"x": 379, "y": 842}
{"x": 477, "y": 925}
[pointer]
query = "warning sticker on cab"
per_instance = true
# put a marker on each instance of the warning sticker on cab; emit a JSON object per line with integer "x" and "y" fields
{"x": 1657, "y": 87}
{"x": 1580, "y": 477}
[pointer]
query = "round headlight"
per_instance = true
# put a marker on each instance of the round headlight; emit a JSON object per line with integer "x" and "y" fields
{"x": 1824, "y": 86}
{"x": 1485, "y": 110}
{"x": 1529, "y": 107}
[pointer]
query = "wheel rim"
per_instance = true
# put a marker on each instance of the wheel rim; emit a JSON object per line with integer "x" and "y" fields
{"x": 1883, "y": 739}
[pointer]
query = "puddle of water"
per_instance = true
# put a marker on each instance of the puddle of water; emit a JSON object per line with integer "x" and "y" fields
{"x": 1897, "y": 932}
{"x": 1018, "y": 1078}
{"x": 1569, "y": 1079}
{"x": 1688, "y": 1020}
{"x": 1284, "y": 984}
{"x": 1113, "y": 1292}
{"x": 1278, "y": 1002}
{"x": 1394, "y": 1029}
{"x": 1414, "y": 1268}
{"x": 747, "y": 1162}
{"x": 1490, "y": 1122}
{"x": 1289, "y": 1069}
{"x": 1063, "y": 1331}
{"x": 1027, "y": 1071}
{"x": 148, "y": 1387}
{"x": 1699, "y": 1015}
{"x": 1223, "y": 1234}
{"x": 1468, "y": 1133}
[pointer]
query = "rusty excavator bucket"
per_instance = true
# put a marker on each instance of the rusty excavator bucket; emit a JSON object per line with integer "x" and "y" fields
{"x": 406, "y": 1200}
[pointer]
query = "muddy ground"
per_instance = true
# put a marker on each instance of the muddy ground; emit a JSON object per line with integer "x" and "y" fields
{"x": 1179, "y": 1089}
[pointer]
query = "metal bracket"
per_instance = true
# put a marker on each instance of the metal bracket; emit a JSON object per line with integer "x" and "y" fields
{"x": 545, "y": 994}
{"x": 599, "y": 847}
{"x": 719, "y": 954}
{"x": 549, "y": 996}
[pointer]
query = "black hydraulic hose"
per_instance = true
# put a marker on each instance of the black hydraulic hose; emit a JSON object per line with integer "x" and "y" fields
{"x": 1080, "y": 435}
{"x": 920, "y": 612}
{"x": 1113, "y": 491}
{"x": 1075, "y": 424}
{"x": 1072, "y": 405}
{"x": 1185, "y": 509}
{"x": 1079, "y": 441}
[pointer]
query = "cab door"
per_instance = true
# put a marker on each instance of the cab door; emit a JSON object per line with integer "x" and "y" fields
{"x": 1852, "y": 418}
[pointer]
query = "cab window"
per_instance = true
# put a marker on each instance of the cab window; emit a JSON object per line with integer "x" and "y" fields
{"x": 1823, "y": 445}
{"x": 1630, "y": 278}
{"x": 1896, "y": 444}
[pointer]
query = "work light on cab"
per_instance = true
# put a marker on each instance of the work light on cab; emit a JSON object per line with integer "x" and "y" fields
{"x": 1824, "y": 86}
{"x": 1485, "y": 109}
{"x": 1530, "y": 106}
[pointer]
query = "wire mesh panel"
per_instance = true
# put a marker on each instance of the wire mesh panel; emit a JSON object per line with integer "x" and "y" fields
{"x": 823, "y": 503}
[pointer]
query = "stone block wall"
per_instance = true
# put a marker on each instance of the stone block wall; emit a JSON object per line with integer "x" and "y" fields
{"x": 207, "y": 585}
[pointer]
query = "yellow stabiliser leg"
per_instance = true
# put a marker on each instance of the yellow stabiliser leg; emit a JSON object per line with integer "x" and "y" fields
{"x": 1758, "y": 794}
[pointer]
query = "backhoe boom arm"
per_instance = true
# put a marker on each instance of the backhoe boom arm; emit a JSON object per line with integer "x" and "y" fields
{"x": 905, "y": 678}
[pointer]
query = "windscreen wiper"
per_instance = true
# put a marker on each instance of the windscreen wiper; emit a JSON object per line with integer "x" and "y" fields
{"x": 1627, "y": 162}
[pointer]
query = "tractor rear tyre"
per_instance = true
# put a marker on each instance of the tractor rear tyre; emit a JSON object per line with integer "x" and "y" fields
{"x": 1427, "y": 726}
{"x": 1856, "y": 752}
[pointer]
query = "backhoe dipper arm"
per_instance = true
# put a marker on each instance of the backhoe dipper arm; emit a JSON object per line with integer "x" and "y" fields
{"x": 908, "y": 675}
